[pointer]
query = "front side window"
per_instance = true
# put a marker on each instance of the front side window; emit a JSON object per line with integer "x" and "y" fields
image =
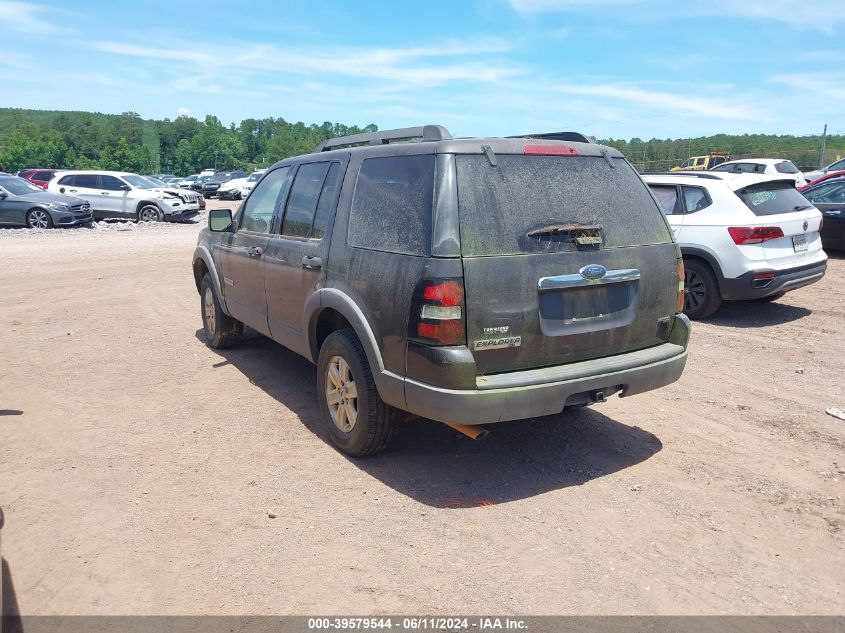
{"x": 829, "y": 193}
{"x": 667, "y": 197}
{"x": 110, "y": 183}
{"x": 259, "y": 208}
{"x": 302, "y": 203}
{"x": 695, "y": 199}
{"x": 391, "y": 206}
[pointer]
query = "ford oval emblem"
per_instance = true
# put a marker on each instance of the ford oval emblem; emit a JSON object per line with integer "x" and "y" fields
{"x": 593, "y": 272}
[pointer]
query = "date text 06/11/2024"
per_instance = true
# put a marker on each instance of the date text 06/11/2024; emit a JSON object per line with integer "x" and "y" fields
{"x": 418, "y": 623}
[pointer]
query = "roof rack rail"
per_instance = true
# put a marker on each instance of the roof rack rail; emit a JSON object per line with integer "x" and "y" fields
{"x": 420, "y": 134}
{"x": 572, "y": 137}
{"x": 694, "y": 174}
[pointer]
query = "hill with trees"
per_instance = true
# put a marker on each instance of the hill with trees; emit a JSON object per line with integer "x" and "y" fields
{"x": 83, "y": 140}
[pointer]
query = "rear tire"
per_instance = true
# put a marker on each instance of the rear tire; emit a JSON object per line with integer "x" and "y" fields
{"x": 221, "y": 330}
{"x": 358, "y": 420}
{"x": 701, "y": 291}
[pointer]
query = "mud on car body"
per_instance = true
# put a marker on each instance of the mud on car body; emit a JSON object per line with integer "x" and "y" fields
{"x": 462, "y": 280}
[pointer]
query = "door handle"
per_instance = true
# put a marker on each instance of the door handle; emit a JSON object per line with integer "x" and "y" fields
{"x": 104, "y": 193}
{"x": 72, "y": 190}
{"x": 254, "y": 251}
{"x": 312, "y": 263}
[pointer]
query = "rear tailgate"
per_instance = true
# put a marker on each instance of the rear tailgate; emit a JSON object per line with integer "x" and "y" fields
{"x": 530, "y": 301}
{"x": 778, "y": 204}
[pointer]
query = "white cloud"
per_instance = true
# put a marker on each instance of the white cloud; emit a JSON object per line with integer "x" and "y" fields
{"x": 402, "y": 65}
{"x": 183, "y": 112}
{"x": 822, "y": 15}
{"x": 830, "y": 85}
{"x": 24, "y": 17}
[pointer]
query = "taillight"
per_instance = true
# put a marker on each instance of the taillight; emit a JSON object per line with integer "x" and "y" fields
{"x": 679, "y": 302}
{"x": 437, "y": 315}
{"x": 754, "y": 234}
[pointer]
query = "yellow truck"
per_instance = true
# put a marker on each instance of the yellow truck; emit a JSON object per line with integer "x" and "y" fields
{"x": 701, "y": 163}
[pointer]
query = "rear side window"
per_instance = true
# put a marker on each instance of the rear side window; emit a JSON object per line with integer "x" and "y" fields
{"x": 328, "y": 202}
{"x": 302, "y": 202}
{"x": 786, "y": 167}
{"x": 773, "y": 198}
{"x": 500, "y": 205}
{"x": 695, "y": 199}
{"x": 667, "y": 198}
{"x": 89, "y": 181}
{"x": 391, "y": 207}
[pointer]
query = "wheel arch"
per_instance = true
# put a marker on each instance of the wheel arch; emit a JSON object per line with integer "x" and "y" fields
{"x": 708, "y": 258}
{"x": 203, "y": 264}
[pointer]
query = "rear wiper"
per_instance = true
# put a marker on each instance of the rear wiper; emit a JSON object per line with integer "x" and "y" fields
{"x": 801, "y": 208}
{"x": 556, "y": 229}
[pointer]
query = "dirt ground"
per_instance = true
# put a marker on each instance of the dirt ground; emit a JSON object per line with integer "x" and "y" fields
{"x": 138, "y": 466}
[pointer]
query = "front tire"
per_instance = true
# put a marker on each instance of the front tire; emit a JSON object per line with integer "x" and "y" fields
{"x": 38, "y": 219}
{"x": 358, "y": 420}
{"x": 149, "y": 213}
{"x": 701, "y": 291}
{"x": 221, "y": 330}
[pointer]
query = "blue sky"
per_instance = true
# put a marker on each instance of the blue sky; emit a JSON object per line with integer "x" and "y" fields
{"x": 610, "y": 68}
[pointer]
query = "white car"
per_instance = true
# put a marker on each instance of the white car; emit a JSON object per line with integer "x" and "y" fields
{"x": 117, "y": 194}
{"x": 768, "y": 166}
{"x": 187, "y": 181}
{"x": 838, "y": 165}
{"x": 239, "y": 188}
{"x": 742, "y": 236}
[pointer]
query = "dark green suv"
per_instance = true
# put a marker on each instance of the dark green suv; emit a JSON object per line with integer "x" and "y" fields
{"x": 462, "y": 280}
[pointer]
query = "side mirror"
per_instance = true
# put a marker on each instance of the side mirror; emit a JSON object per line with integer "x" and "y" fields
{"x": 3, "y": 195}
{"x": 220, "y": 220}
{"x": 125, "y": 188}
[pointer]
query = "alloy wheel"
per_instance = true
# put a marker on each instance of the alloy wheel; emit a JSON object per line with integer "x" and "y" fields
{"x": 39, "y": 219}
{"x": 341, "y": 394}
{"x": 695, "y": 292}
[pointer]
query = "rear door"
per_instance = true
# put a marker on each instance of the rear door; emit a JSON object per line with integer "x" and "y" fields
{"x": 297, "y": 254}
{"x": 568, "y": 253}
{"x": 87, "y": 187}
{"x": 778, "y": 204}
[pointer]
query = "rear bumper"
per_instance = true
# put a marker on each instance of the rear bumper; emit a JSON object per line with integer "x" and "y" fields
{"x": 745, "y": 287}
{"x": 539, "y": 392}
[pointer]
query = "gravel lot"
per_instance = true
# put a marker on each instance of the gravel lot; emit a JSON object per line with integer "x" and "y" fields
{"x": 138, "y": 466}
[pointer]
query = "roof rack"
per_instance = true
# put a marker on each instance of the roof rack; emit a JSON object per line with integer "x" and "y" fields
{"x": 420, "y": 134}
{"x": 572, "y": 137}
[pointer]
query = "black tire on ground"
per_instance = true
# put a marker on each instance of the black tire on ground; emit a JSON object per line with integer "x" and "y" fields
{"x": 38, "y": 219}
{"x": 149, "y": 213}
{"x": 221, "y": 330}
{"x": 701, "y": 291}
{"x": 771, "y": 298}
{"x": 344, "y": 374}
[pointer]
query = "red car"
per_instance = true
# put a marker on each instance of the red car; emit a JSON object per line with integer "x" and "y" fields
{"x": 38, "y": 177}
{"x": 827, "y": 176}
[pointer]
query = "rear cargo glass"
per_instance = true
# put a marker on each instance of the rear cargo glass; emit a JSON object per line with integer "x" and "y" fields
{"x": 500, "y": 205}
{"x": 773, "y": 198}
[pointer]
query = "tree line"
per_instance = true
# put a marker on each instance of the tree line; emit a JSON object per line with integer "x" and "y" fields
{"x": 126, "y": 142}
{"x": 88, "y": 140}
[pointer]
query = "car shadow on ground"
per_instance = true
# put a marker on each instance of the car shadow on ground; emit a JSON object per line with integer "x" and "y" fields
{"x": 752, "y": 314}
{"x": 10, "y": 615}
{"x": 437, "y": 466}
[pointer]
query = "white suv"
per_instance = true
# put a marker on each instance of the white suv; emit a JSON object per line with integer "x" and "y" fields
{"x": 773, "y": 166}
{"x": 117, "y": 194}
{"x": 742, "y": 236}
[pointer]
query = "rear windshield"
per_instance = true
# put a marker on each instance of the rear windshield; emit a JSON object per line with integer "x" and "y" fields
{"x": 786, "y": 167}
{"x": 772, "y": 198}
{"x": 500, "y": 205}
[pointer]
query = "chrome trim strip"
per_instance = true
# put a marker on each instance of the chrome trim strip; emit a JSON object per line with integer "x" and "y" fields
{"x": 575, "y": 281}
